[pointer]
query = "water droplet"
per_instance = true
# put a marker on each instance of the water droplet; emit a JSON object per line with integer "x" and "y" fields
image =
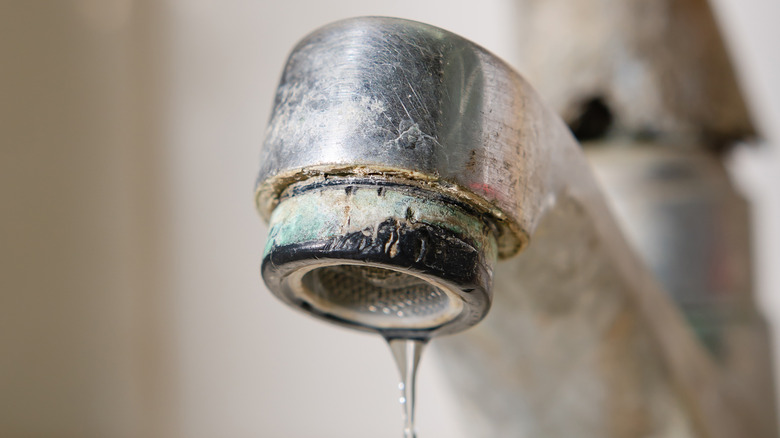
{"x": 407, "y": 356}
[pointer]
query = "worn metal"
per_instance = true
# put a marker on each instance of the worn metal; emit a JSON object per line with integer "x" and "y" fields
{"x": 378, "y": 96}
{"x": 581, "y": 341}
{"x": 380, "y": 256}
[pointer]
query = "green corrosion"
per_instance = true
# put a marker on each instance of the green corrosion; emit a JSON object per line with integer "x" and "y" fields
{"x": 329, "y": 212}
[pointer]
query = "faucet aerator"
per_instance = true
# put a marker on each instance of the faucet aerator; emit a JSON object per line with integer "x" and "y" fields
{"x": 380, "y": 256}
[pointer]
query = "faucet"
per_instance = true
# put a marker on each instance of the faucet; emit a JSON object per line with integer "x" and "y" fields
{"x": 410, "y": 178}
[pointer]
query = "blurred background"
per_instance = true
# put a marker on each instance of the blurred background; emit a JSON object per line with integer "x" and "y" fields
{"x": 130, "y": 299}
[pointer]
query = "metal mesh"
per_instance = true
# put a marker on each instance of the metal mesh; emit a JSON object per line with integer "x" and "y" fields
{"x": 376, "y": 292}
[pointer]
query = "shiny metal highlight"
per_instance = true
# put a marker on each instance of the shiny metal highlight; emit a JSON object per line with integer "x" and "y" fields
{"x": 581, "y": 340}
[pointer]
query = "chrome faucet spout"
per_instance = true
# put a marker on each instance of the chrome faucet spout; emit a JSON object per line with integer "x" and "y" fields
{"x": 400, "y": 163}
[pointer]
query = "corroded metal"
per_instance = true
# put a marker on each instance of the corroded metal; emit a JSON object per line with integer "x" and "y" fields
{"x": 376, "y": 255}
{"x": 582, "y": 341}
{"x": 384, "y": 97}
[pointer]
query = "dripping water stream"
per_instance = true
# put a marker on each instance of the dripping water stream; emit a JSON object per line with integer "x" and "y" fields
{"x": 407, "y": 356}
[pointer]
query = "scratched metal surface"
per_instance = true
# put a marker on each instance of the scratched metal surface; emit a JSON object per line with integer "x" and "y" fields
{"x": 582, "y": 340}
{"x": 379, "y": 95}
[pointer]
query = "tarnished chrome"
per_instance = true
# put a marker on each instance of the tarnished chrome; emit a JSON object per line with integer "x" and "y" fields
{"x": 376, "y": 254}
{"x": 387, "y": 97}
{"x": 581, "y": 341}
{"x": 375, "y": 101}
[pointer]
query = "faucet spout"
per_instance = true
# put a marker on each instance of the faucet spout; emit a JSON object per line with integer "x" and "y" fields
{"x": 414, "y": 146}
{"x": 400, "y": 164}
